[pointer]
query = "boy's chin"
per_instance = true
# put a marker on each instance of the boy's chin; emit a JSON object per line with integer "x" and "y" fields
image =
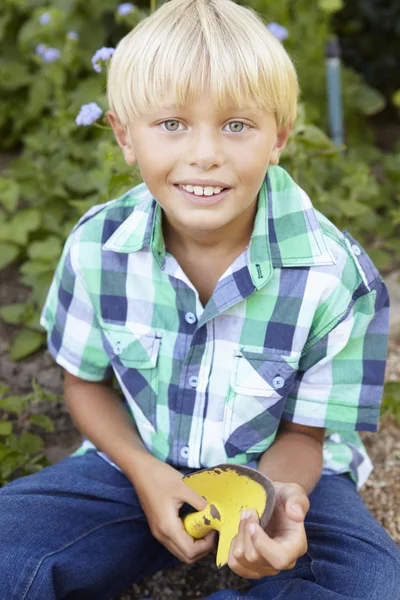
{"x": 204, "y": 223}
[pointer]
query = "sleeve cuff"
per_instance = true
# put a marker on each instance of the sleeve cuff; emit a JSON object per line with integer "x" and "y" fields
{"x": 335, "y": 416}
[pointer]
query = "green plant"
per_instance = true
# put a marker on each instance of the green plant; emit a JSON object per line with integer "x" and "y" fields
{"x": 391, "y": 400}
{"x": 21, "y": 451}
{"x": 363, "y": 26}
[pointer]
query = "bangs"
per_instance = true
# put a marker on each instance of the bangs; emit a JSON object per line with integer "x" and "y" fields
{"x": 192, "y": 47}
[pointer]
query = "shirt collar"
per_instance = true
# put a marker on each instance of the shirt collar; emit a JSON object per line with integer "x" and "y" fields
{"x": 286, "y": 229}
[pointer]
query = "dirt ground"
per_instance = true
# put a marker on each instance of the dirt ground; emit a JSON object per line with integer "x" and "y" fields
{"x": 381, "y": 493}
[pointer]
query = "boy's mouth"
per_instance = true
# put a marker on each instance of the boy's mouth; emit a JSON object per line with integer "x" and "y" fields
{"x": 199, "y": 190}
{"x": 206, "y": 195}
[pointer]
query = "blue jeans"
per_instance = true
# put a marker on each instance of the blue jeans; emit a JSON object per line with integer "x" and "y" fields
{"x": 76, "y": 530}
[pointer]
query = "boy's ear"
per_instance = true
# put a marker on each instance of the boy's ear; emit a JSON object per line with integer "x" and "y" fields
{"x": 281, "y": 140}
{"x": 123, "y": 138}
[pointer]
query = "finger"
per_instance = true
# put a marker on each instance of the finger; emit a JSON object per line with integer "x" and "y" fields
{"x": 250, "y": 572}
{"x": 194, "y": 549}
{"x": 186, "y": 554}
{"x": 186, "y": 494}
{"x": 237, "y": 544}
{"x": 281, "y": 551}
{"x": 251, "y": 554}
{"x": 175, "y": 538}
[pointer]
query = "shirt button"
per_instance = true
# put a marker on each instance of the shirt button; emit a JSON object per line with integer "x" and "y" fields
{"x": 278, "y": 382}
{"x": 185, "y": 452}
{"x": 193, "y": 381}
{"x": 118, "y": 348}
{"x": 356, "y": 250}
{"x": 190, "y": 318}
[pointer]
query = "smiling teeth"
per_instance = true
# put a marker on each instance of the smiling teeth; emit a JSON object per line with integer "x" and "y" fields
{"x": 198, "y": 190}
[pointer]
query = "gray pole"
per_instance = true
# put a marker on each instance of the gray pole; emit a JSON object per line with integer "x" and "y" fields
{"x": 334, "y": 91}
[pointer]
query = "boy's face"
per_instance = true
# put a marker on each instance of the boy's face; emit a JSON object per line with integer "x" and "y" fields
{"x": 182, "y": 153}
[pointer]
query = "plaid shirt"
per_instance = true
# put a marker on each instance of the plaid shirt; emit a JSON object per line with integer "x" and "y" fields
{"x": 295, "y": 330}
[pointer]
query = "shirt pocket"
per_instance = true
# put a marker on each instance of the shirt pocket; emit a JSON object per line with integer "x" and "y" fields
{"x": 259, "y": 385}
{"x": 134, "y": 357}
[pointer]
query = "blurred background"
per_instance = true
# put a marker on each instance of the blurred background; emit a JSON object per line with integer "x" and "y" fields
{"x": 344, "y": 151}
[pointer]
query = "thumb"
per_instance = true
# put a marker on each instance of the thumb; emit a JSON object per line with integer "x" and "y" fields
{"x": 295, "y": 500}
{"x": 250, "y": 516}
{"x": 193, "y": 498}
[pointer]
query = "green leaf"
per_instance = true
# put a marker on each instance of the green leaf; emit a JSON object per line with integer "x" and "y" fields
{"x": 81, "y": 182}
{"x": 14, "y": 404}
{"x": 3, "y": 453}
{"x": 119, "y": 184}
{"x": 25, "y": 343}
{"x": 313, "y": 136}
{"x": 42, "y": 421}
{"x": 17, "y": 229}
{"x": 33, "y": 322}
{"x": 13, "y": 313}
{"x": 46, "y": 250}
{"x": 35, "y": 267}
{"x": 369, "y": 101}
{"x": 380, "y": 258}
{"x": 9, "y": 193}
{"x": 352, "y": 208}
{"x": 396, "y": 98}
{"x": 28, "y": 443}
{"x": 10, "y": 463}
{"x": 5, "y": 428}
{"x": 8, "y": 254}
{"x": 40, "y": 285}
{"x": 14, "y": 74}
{"x": 331, "y": 6}
{"x": 4, "y": 389}
{"x": 4, "y": 20}
{"x": 391, "y": 400}
{"x": 39, "y": 96}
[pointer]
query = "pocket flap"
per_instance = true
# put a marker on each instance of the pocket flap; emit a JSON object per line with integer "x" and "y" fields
{"x": 138, "y": 350}
{"x": 263, "y": 374}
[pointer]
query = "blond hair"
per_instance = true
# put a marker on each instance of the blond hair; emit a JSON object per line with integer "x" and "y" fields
{"x": 189, "y": 46}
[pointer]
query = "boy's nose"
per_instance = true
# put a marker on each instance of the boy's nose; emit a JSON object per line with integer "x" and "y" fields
{"x": 205, "y": 151}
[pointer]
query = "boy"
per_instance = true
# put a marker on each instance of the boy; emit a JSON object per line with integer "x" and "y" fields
{"x": 242, "y": 327}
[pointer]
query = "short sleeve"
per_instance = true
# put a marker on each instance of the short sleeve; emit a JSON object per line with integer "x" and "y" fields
{"x": 73, "y": 333}
{"x": 340, "y": 378}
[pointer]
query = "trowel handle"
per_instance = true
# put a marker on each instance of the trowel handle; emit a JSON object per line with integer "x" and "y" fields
{"x": 198, "y": 524}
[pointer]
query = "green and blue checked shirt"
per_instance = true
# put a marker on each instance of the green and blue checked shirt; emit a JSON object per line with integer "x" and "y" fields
{"x": 295, "y": 330}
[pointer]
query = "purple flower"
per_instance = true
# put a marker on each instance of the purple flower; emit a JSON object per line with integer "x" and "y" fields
{"x": 50, "y": 55}
{"x": 103, "y": 54}
{"x": 40, "y": 49}
{"x": 125, "y": 8}
{"x": 280, "y": 32}
{"x": 88, "y": 114}
{"x": 72, "y": 35}
{"x": 45, "y": 18}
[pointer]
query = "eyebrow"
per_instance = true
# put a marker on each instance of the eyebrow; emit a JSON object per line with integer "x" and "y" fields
{"x": 252, "y": 109}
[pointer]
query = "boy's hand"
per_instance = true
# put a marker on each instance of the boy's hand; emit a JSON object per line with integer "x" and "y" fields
{"x": 162, "y": 492}
{"x": 255, "y": 555}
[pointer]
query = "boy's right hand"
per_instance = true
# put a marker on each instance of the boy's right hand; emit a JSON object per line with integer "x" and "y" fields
{"x": 162, "y": 492}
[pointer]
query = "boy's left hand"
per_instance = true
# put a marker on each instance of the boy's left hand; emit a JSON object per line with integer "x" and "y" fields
{"x": 268, "y": 552}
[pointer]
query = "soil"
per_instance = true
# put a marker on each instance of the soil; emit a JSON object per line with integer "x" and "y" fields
{"x": 381, "y": 493}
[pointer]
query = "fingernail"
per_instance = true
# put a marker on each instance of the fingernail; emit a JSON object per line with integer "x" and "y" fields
{"x": 245, "y": 514}
{"x": 252, "y": 528}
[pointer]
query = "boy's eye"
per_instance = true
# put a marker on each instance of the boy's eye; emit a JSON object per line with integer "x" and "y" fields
{"x": 236, "y": 126}
{"x": 171, "y": 125}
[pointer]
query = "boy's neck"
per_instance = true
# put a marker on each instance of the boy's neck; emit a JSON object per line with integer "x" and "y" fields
{"x": 226, "y": 240}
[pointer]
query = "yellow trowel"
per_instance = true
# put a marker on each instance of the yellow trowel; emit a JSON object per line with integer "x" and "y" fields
{"x": 228, "y": 490}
